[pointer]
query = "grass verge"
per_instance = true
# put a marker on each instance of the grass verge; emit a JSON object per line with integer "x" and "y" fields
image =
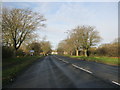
{"x": 13, "y": 66}
{"x": 106, "y": 60}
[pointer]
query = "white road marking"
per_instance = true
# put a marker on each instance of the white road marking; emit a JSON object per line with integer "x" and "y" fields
{"x": 65, "y": 61}
{"x": 115, "y": 83}
{"x": 81, "y": 68}
{"x": 75, "y": 65}
{"x": 61, "y": 59}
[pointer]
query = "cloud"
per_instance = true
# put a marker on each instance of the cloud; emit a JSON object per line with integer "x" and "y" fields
{"x": 17, "y": 5}
{"x": 61, "y": 1}
{"x": 42, "y": 7}
{"x": 69, "y": 15}
{"x": 66, "y": 16}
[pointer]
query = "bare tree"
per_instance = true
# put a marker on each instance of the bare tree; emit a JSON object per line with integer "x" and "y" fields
{"x": 83, "y": 37}
{"x": 19, "y": 24}
{"x": 87, "y": 36}
{"x": 46, "y": 47}
{"x": 70, "y": 46}
{"x": 61, "y": 47}
{"x": 74, "y": 41}
{"x": 36, "y": 46}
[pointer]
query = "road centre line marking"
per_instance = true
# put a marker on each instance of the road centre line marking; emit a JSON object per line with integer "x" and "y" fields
{"x": 115, "y": 83}
{"x": 81, "y": 68}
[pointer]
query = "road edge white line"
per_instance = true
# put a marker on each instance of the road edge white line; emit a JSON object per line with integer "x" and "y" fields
{"x": 84, "y": 70}
{"x": 61, "y": 59}
{"x": 75, "y": 65}
{"x": 65, "y": 61}
{"x": 116, "y": 83}
{"x": 81, "y": 68}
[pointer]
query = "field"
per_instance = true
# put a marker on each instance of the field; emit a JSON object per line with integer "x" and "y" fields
{"x": 106, "y": 60}
{"x": 12, "y": 66}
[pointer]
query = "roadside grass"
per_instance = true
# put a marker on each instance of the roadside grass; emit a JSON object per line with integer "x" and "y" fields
{"x": 13, "y": 66}
{"x": 106, "y": 60}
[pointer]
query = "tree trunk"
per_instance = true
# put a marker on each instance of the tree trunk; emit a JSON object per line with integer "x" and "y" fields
{"x": 15, "y": 53}
{"x": 86, "y": 52}
{"x": 76, "y": 52}
{"x": 71, "y": 53}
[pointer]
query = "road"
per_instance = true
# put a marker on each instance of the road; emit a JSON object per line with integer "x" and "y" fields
{"x": 56, "y": 71}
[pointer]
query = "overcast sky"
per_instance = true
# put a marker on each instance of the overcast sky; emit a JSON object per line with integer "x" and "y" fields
{"x": 63, "y": 16}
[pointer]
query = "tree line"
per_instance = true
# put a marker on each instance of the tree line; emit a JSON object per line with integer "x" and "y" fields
{"x": 39, "y": 47}
{"x": 18, "y": 27}
{"x": 82, "y": 40}
{"x": 18, "y": 37}
{"x": 110, "y": 49}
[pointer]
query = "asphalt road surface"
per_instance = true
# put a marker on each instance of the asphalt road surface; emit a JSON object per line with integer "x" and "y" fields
{"x": 62, "y": 72}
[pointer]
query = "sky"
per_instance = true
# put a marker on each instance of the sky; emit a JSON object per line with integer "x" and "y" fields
{"x": 64, "y": 16}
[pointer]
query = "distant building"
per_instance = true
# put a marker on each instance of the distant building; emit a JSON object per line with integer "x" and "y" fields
{"x": 42, "y": 53}
{"x": 54, "y": 52}
{"x": 65, "y": 53}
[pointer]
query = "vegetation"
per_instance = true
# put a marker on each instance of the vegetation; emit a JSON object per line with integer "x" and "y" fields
{"x": 81, "y": 42}
{"x": 105, "y": 53}
{"x": 105, "y": 60}
{"x": 46, "y": 47}
{"x": 110, "y": 50}
{"x": 18, "y": 36}
{"x": 18, "y": 25}
{"x": 36, "y": 46}
{"x": 80, "y": 38}
{"x": 7, "y": 52}
{"x": 13, "y": 66}
{"x": 42, "y": 47}
{"x": 18, "y": 31}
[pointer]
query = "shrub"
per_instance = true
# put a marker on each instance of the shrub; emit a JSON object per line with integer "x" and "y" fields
{"x": 7, "y": 52}
{"x": 20, "y": 52}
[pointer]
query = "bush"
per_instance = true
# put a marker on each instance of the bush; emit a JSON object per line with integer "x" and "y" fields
{"x": 102, "y": 51}
{"x": 20, "y": 52}
{"x": 7, "y": 52}
{"x": 108, "y": 50}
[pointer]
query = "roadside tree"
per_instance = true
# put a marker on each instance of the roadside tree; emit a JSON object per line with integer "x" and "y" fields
{"x": 85, "y": 37}
{"x": 18, "y": 25}
{"x": 46, "y": 47}
{"x": 36, "y": 46}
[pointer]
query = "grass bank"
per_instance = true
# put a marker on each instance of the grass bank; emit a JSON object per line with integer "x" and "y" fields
{"x": 12, "y": 66}
{"x": 106, "y": 60}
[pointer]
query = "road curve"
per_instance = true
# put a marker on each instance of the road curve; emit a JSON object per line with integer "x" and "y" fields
{"x": 53, "y": 72}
